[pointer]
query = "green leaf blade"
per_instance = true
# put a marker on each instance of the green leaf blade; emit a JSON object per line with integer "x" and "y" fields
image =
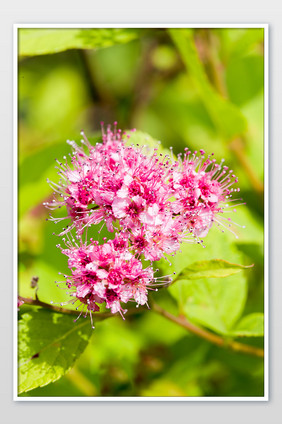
{"x": 33, "y": 42}
{"x": 215, "y": 268}
{"x": 215, "y": 304}
{"x": 49, "y": 344}
{"x": 251, "y": 325}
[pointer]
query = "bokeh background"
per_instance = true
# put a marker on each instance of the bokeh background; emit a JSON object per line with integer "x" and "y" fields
{"x": 201, "y": 88}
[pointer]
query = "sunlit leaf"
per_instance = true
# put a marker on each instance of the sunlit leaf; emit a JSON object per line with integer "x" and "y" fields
{"x": 216, "y": 304}
{"x": 216, "y": 245}
{"x": 215, "y": 268}
{"x": 49, "y": 344}
{"x": 38, "y": 41}
{"x": 250, "y": 326}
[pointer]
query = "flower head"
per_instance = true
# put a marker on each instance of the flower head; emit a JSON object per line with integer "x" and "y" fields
{"x": 151, "y": 202}
{"x": 202, "y": 189}
{"x": 106, "y": 273}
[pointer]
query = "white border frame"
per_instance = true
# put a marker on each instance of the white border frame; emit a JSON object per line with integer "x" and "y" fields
{"x": 264, "y": 398}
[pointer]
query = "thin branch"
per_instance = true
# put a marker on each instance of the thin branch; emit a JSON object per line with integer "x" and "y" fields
{"x": 181, "y": 320}
{"x": 54, "y": 308}
{"x": 211, "y": 337}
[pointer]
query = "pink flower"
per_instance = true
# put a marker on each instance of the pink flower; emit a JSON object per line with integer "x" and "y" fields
{"x": 201, "y": 188}
{"x": 107, "y": 274}
{"x": 153, "y": 241}
{"x": 112, "y": 182}
{"x": 153, "y": 203}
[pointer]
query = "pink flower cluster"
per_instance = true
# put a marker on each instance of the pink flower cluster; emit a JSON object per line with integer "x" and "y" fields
{"x": 107, "y": 273}
{"x": 153, "y": 203}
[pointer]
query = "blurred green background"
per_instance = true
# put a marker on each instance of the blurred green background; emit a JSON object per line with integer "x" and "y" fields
{"x": 200, "y": 88}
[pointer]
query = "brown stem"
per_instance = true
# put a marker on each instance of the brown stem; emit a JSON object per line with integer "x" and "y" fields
{"x": 181, "y": 320}
{"x": 102, "y": 315}
{"x": 211, "y": 337}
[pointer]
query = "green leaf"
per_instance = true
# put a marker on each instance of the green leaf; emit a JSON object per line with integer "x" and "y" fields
{"x": 215, "y": 304}
{"x": 217, "y": 245}
{"x": 49, "y": 344}
{"x": 226, "y": 116}
{"x": 215, "y": 268}
{"x": 250, "y": 326}
{"x": 47, "y": 41}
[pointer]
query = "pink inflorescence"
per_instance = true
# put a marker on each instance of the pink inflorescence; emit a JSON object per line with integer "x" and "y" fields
{"x": 152, "y": 202}
{"x": 106, "y": 273}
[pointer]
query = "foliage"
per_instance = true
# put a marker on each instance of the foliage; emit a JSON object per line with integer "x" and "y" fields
{"x": 49, "y": 343}
{"x": 233, "y": 122}
{"x": 48, "y": 41}
{"x": 200, "y": 88}
{"x": 215, "y": 268}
